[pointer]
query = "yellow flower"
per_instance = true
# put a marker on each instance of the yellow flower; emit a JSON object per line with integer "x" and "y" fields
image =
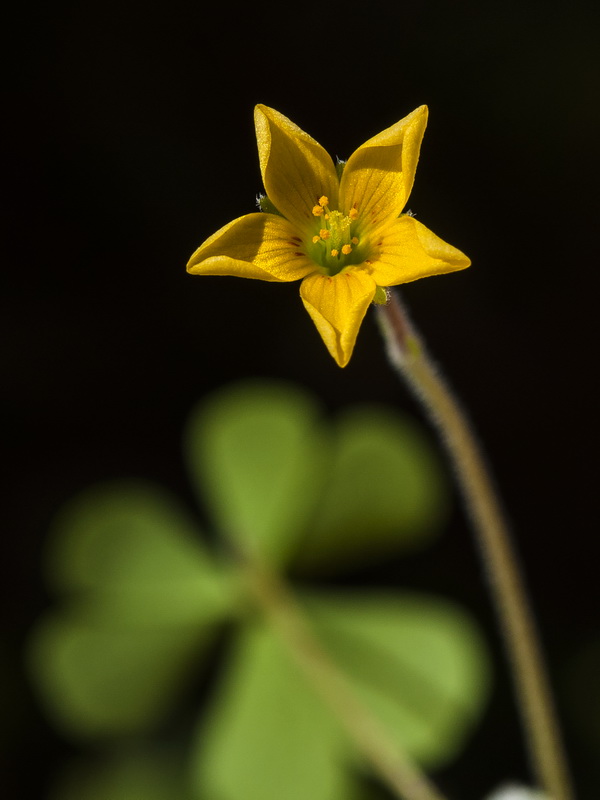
{"x": 344, "y": 238}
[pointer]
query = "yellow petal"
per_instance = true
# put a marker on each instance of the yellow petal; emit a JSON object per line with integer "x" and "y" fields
{"x": 296, "y": 170}
{"x": 263, "y": 246}
{"x": 378, "y": 177}
{"x": 337, "y": 306}
{"x": 408, "y": 250}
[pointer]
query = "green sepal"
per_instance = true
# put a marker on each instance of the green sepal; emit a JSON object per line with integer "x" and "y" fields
{"x": 381, "y": 296}
{"x": 267, "y": 205}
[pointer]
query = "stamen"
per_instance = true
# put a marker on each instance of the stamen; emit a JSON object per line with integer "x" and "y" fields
{"x": 353, "y": 213}
{"x": 317, "y": 211}
{"x": 315, "y": 239}
{"x": 354, "y": 240}
{"x": 324, "y": 233}
{"x": 323, "y": 201}
{"x": 335, "y": 252}
{"x": 346, "y": 249}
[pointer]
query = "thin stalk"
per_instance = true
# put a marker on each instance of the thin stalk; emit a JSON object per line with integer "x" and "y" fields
{"x": 393, "y": 767}
{"x": 407, "y": 354}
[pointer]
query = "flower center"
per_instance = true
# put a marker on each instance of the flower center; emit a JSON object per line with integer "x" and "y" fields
{"x": 336, "y": 244}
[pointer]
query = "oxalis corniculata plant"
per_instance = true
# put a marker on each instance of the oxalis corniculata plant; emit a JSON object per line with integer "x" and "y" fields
{"x": 340, "y": 230}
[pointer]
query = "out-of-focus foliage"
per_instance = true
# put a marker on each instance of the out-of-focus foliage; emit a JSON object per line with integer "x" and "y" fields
{"x": 412, "y": 659}
{"x": 415, "y": 662}
{"x": 142, "y": 597}
{"x": 268, "y": 734}
{"x": 384, "y": 492}
{"x": 258, "y": 456}
{"x": 326, "y": 496}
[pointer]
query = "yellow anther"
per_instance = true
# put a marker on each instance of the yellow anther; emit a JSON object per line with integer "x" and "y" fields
{"x": 324, "y": 233}
{"x": 335, "y": 253}
{"x": 354, "y": 240}
{"x": 323, "y": 201}
{"x": 326, "y": 216}
{"x": 353, "y": 213}
{"x": 346, "y": 249}
{"x": 316, "y": 239}
{"x": 317, "y": 211}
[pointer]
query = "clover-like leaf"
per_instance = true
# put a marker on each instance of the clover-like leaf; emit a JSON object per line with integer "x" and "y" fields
{"x": 385, "y": 492}
{"x": 97, "y": 681}
{"x": 130, "y": 550}
{"x": 417, "y": 662}
{"x": 268, "y": 735}
{"x": 142, "y": 602}
{"x": 258, "y": 456}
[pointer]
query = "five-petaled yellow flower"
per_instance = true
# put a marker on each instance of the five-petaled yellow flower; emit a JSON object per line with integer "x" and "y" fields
{"x": 345, "y": 238}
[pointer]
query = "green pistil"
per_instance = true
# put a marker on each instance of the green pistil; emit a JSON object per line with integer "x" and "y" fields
{"x": 339, "y": 228}
{"x": 333, "y": 237}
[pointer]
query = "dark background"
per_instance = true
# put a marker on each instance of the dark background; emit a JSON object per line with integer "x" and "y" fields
{"x": 131, "y": 140}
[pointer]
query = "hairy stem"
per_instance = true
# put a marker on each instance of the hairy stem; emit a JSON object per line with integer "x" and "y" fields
{"x": 393, "y": 767}
{"x": 408, "y": 356}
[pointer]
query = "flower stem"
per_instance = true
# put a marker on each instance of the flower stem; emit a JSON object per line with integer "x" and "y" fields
{"x": 408, "y": 356}
{"x": 393, "y": 767}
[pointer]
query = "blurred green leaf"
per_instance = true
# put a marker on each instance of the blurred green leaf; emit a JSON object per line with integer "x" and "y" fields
{"x": 258, "y": 458}
{"x": 143, "y": 599}
{"x": 268, "y": 736}
{"x": 131, "y": 554}
{"x": 143, "y": 602}
{"x": 138, "y": 775}
{"x": 418, "y": 662}
{"x": 98, "y": 682}
{"x": 385, "y": 492}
